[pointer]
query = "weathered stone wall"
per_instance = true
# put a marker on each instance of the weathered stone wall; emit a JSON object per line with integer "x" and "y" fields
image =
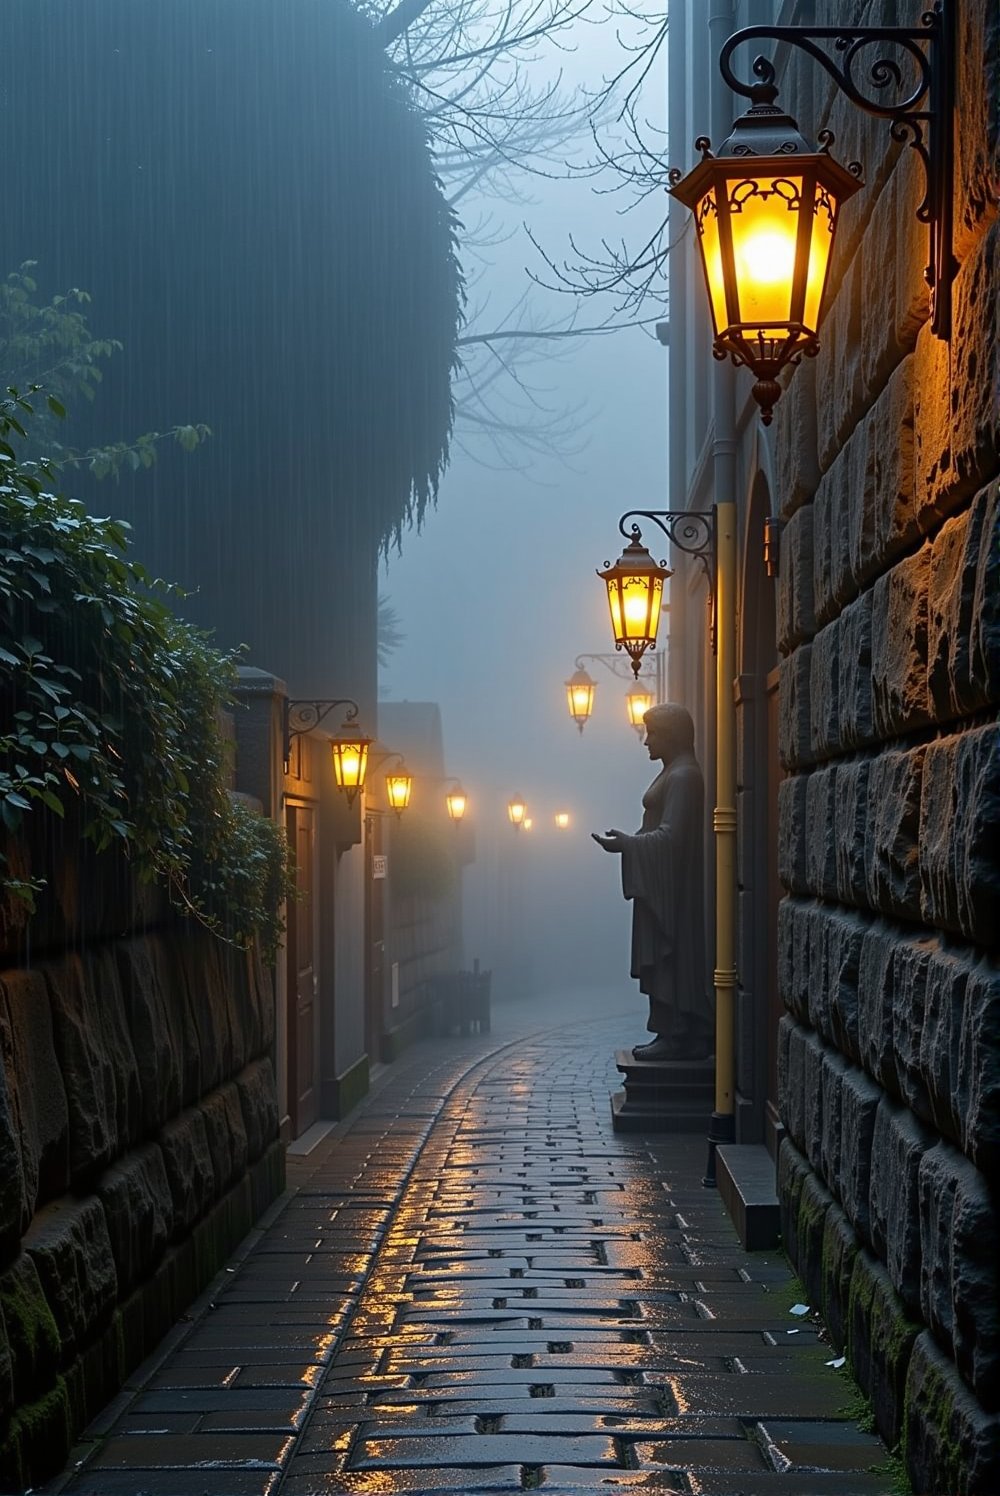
{"x": 138, "y": 1126}
{"x": 889, "y": 629}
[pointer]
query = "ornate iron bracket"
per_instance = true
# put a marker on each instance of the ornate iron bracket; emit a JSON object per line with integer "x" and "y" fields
{"x": 618, "y": 664}
{"x": 301, "y": 716}
{"x": 921, "y": 114}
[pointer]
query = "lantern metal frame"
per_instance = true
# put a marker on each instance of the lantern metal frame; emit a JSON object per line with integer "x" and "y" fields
{"x": 302, "y": 715}
{"x": 922, "y": 116}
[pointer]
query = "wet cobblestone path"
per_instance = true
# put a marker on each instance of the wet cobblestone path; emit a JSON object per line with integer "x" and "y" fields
{"x": 478, "y": 1286}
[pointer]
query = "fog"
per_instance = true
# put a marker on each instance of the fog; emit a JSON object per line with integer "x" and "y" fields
{"x": 186, "y": 166}
{"x": 497, "y": 595}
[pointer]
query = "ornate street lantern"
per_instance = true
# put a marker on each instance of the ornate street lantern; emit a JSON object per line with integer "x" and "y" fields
{"x": 638, "y": 700}
{"x": 350, "y": 759}
{"x": 516, "y": 810}
{"x": 562, "y": 819}
{"x": 457, "y": 802}
{"x": 635, "y": 593}
{"x": 765, "y": 209}
{"x": 580, "y": 690}
{"x": 397, "y": 789}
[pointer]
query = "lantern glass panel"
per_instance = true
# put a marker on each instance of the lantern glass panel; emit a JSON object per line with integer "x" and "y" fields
{"x": 515, "y": 811}
{"x": 764, "y": 224}
{"x": 823, "y": 226}
{"x": 707, "y": 219}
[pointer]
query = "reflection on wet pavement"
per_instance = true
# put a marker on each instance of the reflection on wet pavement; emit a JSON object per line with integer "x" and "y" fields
{"x": 480, "y": 1287}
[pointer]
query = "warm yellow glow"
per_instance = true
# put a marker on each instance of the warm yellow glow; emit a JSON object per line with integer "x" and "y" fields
{"x": 397, "y": 790}
{"x": 516, "y": 810}
{"x": 637, "y": 702}
{"x": 562, "y": 819}
{"x": 527, "y": 823}
{"x": 764, "y": 219}
{"x": 707, "y": 219}
{"x": 456, "y": 801}
{"x": 824, "y": 223}
{"x": 580, "y": 690}
{"x": 350, "y": 760}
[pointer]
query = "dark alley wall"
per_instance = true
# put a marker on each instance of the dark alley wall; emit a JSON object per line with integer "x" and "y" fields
{"x": 138, "y": 1126}
{"x": 888, "y": 450}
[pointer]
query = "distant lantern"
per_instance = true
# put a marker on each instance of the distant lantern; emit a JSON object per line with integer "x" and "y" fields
{"x": 516, "y": 810}
{"x": 765, "y": 211}
{"x": 638, "y": 701}
{"x": 350, "y": 759}
{"x": 562, "y": 819}
{"x": 457, "y": 802}
{"x": 527, "y": 823}
{"x": 635, "y": 593}
{"x": 580, "y": 690}
{"x": 397, "y": 789}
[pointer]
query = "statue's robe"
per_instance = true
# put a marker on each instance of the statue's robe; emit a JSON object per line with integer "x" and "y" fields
{"x": 663, "y": 875}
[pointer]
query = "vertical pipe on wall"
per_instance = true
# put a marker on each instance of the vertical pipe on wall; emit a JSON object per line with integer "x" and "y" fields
{"x": 722, "y": 1128}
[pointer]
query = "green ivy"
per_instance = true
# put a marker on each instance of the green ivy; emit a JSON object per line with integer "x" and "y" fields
{"x": 49, "y": 345}
{"x": 110, "y": 711}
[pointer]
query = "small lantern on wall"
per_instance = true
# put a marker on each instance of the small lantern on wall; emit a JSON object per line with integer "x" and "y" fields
{"x": 635, "y": 594}
{"x": 638, "y": 701}
{"x": 457, "y": 802}
{"x": 562, "y": 819}
{"x": 350, "y": 759}
{"x": 516, "y": 810}
{"x": 398, "y": 785}
{"x": 580, "y": 690}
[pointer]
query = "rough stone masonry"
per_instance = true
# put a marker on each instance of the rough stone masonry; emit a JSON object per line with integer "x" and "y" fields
{"x": 889, "y": 631}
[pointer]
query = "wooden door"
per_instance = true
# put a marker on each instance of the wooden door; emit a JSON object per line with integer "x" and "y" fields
{"x": 775, "y": 774}
{"x": 303, "y": 1013}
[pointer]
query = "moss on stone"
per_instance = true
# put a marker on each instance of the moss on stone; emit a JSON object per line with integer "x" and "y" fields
{"x": 31, "y": 1330}
{"x": 38, "y": 1439}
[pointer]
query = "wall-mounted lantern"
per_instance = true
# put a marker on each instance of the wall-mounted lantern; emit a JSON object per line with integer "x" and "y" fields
{"x": 635, "y": 593}
{"x": 562, "y": 819}
{"x": 350, "y": 759}
{"x": 638, "y": 701}
{"x": 580, "y": 690}
{"x": 398, "y": 785}
{"x": 457, "y": 802}
{"x": 766, "y": 203}
{"x": 516, "y": 811}
{"x": 349, "y": 746}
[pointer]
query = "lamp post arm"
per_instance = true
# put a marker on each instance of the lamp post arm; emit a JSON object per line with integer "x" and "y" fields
{"x": 301, "y": 715}
{"x": 690, "y": 530}
{"x": 617, "y": 664}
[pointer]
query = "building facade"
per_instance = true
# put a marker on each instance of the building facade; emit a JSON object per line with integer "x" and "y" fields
{"x": 867, "y": 686}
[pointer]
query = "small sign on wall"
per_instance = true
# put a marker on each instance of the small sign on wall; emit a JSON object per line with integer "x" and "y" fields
{"x": 395, "y": 985}
{"x": 380, "y": 865}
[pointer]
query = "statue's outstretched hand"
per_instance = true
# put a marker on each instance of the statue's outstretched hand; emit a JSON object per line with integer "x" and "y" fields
{"x": 611, "y": 841}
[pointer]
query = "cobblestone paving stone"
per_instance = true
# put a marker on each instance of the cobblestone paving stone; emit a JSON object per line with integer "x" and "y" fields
{"x": 478, "y": 1286}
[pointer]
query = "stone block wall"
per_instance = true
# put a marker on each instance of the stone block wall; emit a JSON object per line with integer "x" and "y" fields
{"x": 889, "y": 630}
{"x": 138, "y": 1128}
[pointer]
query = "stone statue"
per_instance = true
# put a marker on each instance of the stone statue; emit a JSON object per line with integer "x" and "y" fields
{"x": 663, "y": 875}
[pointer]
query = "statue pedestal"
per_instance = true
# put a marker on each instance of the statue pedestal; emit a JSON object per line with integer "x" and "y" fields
{"x": 663, "y": 1095}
